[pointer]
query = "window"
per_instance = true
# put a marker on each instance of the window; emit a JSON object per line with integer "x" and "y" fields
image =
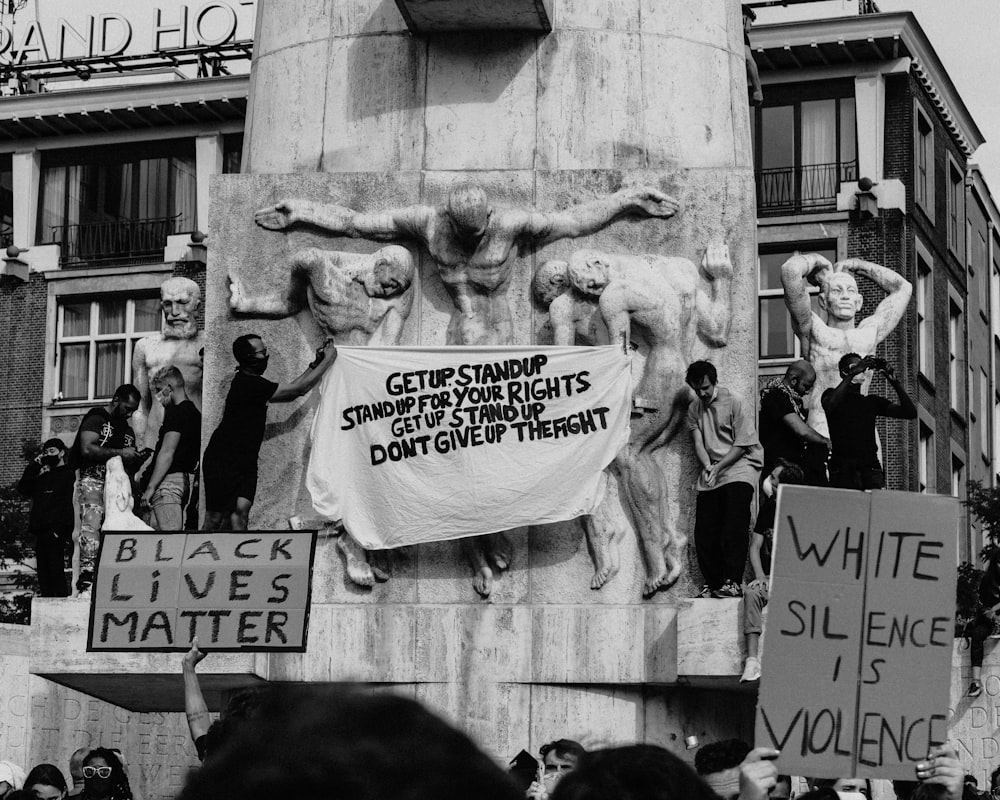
{"x": 95, "y": 340}
{"x": 984, "y": 413}
{"x": 805, "y": 146}
{"x": 956, "y": 204}
{"x": 232, "y": 153}
{"x": 924, "y": 164}
{"x": 925, "y": 459}
{"x": 980, "y": 267}
{"x": 6, "y": 201}
{"x": 925, "y": 317}
{"x": 117, "y": 204}
{"x": 777, "y": 341}
{"x": 957, "y": 476}
{"x": 956, "y": 366}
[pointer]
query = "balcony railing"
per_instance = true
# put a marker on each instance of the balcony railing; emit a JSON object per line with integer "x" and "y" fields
{"x": 118, "y": 243}
{"x": 814, "y": 187}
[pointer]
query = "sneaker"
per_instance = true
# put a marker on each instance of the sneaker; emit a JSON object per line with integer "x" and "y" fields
{"x": 705, "y": 591}
{"x": 751, "y": 671}
{"x": 975, "y": 689}
{"x": 729, "y": 589}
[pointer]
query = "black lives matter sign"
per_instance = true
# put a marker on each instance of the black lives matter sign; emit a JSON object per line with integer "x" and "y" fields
{"x": 234, "y": 591}
{"x": 858, "y": 640}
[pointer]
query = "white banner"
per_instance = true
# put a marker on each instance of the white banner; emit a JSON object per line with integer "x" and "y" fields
{"x": 425, "y": 444}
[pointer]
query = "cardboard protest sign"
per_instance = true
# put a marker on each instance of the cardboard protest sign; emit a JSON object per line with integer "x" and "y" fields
{"x": 465, "y": 440}
{"x": 856, "y": 666}
{"x": 234, "y": 591}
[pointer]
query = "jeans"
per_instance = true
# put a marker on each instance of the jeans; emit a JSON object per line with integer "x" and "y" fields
{"x": 721, "y": 532}
{"x": 170, "y": 500}
{"x": 90, "y": 491}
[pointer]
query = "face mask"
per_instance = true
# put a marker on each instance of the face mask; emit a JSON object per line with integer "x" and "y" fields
{"x": 257, "y": 366}
{"x": 50, "y": 461}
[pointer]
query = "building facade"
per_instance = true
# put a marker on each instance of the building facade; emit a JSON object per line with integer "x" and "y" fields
{"x": 862, "y": 149}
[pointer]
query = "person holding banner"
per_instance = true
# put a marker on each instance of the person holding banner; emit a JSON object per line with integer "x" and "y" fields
{"x": 229, "y": 466}
{"x": 724, "y": 433}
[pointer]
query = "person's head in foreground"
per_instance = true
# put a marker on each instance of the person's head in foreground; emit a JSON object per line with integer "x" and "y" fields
{"x": 330, "y": 741}
{"x": 46, "y": 782}
{"x": 635, "y": 772}
{"x": 718, "y": 763}
{"x": 104, "y": 777}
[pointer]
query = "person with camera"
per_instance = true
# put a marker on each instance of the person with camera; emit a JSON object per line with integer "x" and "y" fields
{"x": 851, "y": 415}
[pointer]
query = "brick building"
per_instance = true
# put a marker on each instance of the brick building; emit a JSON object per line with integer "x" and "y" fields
{"x": 866, "y": 97}
{"x": 107, "y": 145}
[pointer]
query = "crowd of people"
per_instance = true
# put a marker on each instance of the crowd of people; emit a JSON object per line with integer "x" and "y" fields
{"x": 95, "y": 774}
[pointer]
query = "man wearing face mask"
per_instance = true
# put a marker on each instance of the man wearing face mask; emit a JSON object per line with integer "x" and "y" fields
{"x": 48, "y": 482}
{"x": 229, "y": 467}
{"x": 784, "y": 432}
{"x": 175, "y": 460}
{"x": 851, "y": 415}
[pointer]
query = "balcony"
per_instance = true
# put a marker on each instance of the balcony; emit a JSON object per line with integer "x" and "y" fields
{"x": 118, "y": 243}
{"x": 795, "y": 190}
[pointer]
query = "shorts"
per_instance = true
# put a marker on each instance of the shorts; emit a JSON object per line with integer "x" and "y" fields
{"x": 224, "y": 481}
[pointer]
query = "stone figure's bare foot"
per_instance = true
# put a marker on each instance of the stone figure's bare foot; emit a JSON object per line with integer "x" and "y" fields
{"x": 500, "y": 550}
{"x": 358, "y": 568}
{"x": 475, "y": 551}
{"x": 604, "y": 544}
{"x": 379, "y": 562}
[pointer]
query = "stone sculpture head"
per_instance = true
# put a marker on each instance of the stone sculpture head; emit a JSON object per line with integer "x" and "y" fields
{"x": 469, "y": 211}
{"x": 551, "y": 280}
{"x": 589, "y": 271}
{"x": 180, "y": 299}
{"x": 839, "y": 296}
{"x": 392, "y": 272}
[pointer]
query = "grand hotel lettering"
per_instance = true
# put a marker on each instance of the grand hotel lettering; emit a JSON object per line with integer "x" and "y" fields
{"x": 112, "y": 34}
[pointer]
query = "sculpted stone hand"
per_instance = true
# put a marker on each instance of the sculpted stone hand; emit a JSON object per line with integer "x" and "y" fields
{"x": 652, "y": 202}
{"x": 277, "y": 217}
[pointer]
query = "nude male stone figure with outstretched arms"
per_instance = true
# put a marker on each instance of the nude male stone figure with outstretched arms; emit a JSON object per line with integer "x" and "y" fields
{"x": 824, "y": 343}
{"x": 474, "y": 245}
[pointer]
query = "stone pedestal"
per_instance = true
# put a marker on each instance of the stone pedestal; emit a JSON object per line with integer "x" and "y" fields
{"x": 347, "y": 106}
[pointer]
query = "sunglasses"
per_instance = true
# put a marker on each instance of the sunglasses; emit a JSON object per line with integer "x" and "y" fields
{"x": 100, "y": 772}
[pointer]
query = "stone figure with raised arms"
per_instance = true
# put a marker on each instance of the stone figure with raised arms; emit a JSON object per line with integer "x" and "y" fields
{"x": 356, "y": 299}
{"x": 474, "y": 245}
{"x": 662, "y": 296}
{"x": 825, "y": 342}
{"x": 177, "y": 344}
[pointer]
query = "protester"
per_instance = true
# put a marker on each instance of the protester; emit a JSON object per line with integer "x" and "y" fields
{"x": 634, "y": 772}
{"x": 229, "y": 467}
{"x": 76, "y": 770}
{"x": 782, "y": 788}
{"x": 718, "y": 764}
{"x": 784, "y": 433}
{"x": 725, "y": 444}
{"x": 48, "y": 482}
{"x": 46, "y": 782}
{"x": 941, "y": 767}
{"x": 980, "y": 627}
{"x": 327, "y": 741}
{"x": 851, "y": 415}
{"x": 174, "y": 468}
{"x": 104, "y": 433}
{"x": 761, "y": 544}
{"x": 104, "y": 777}
{"x": 558, "y": 758}
{"x": 11, "y": 778}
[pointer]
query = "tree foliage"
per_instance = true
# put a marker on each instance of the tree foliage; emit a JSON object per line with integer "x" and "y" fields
{"x": 14, "y": 552}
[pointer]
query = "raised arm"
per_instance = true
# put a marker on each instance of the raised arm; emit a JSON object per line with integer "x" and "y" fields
{"x": 714, "y": 311}
{"x": 797, "y": 274}
{"x": 195, "y": 708}
{"x": 890, "y": 311}
{"x": 905, "y": 408}
{"x": 308, "y": 379}
{"x": 385, "y": 226}
{"x": 588, "y": 218}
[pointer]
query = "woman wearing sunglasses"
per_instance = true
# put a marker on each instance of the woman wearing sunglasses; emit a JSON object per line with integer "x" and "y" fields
{"x": 104, "y": 777}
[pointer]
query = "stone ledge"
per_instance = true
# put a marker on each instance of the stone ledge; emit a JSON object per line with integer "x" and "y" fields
{"x": 623, "y": 645}
{"x": 433, "y": 16}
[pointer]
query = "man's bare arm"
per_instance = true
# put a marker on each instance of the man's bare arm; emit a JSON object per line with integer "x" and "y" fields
{"x": 389, "y": 331}
{"x": 890, "y": 311}
{"x": 277, "y": 305}
{"x": 385, "y": 226}
{"x": 140, "y": 378}
{"x": 561, "y": 320}
{"x": 797, "y": 274}
{"x": 714, "y": 311}
{"x": 803, "y": 431}
{"x": 588, "y": 218}
{"x": 614, "y": 312}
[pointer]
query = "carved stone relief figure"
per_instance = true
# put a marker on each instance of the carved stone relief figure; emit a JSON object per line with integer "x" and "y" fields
{"x": 824, "y": 342}
{"x": 474, "y": 245}
{"x": 118, "y": 514}
{"x": 178, "y": 343}
{"x": 664, "y": 298}
{"x": 356, "y": 299}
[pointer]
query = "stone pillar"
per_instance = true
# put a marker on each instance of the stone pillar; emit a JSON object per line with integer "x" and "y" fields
{"x": 27, "y": 169}
{"x": 368, "y": 115}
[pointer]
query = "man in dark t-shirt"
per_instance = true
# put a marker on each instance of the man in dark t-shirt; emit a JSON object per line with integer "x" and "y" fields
{"x": 229, "y": 467}
{"x": 104, "y": 433}
{"x": 851, "y": 415}
{"x": 172, "y": 475}
{"x": 784, "y": 432}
